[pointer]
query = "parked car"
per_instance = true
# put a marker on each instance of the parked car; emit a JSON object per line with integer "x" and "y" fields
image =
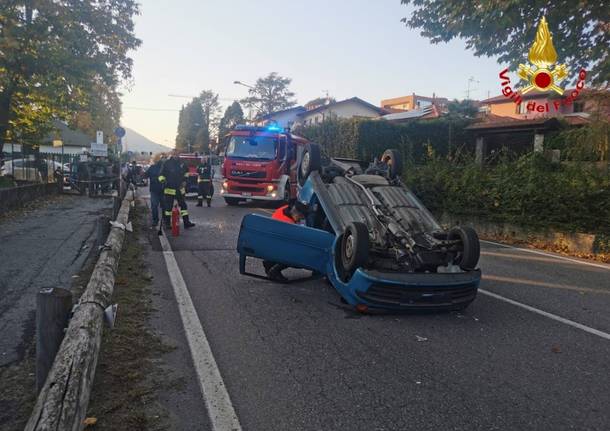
{"x": 31, "y": 170}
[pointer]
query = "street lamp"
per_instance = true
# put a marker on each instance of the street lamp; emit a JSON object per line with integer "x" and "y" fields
{"x": 244, "y": 84}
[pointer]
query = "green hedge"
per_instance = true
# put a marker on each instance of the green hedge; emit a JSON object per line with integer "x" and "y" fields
{"x": 529, "y": 191}
{"x": 365, "y": 139}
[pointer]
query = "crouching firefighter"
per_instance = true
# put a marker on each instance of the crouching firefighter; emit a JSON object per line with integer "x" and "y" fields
{"x": 172, "y": 175}
{"x": 205, "y": 188}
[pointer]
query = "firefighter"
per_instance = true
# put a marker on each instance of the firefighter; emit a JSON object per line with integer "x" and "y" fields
{"x": 293, "y": 214}
{"x": 205, "y": 188}
{"x": 173, "y": 175}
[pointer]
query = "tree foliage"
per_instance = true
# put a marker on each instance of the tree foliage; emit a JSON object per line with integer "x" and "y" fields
{"x": 507, "y": 29}
{"x": 270, "y": 94}
{"x": 197, "y": 123}
{"x": 233, "y": 116}
{"x": 59, "y": 58}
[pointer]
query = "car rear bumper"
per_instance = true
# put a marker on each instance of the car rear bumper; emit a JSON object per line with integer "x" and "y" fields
{"x": 404, "y": 291}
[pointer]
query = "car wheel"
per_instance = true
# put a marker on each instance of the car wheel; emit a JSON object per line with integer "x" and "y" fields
{"x": 468, "y": 257}
{"x": 394, "y": 162}
{"x": 232, "y": 201}
{"x": 310, "y": 162}
{"x": 354, "y": 248}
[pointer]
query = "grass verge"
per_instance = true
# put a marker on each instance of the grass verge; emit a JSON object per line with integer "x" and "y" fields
{"x": 129, "y": 371}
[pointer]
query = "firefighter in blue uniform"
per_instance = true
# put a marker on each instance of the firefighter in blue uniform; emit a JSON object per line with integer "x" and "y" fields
{"x": 173, "y": 175}
{"x": 205, "y": 188}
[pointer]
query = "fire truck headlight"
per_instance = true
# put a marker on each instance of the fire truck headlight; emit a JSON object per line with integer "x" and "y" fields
{"x": 225, "y": 185}
{"x": 273, "y": 195}
{"x": 270, "y": 188}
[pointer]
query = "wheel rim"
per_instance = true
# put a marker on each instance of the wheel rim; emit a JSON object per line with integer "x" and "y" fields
{"x": 305, "y": 164}
{"x": 349, "y": 247}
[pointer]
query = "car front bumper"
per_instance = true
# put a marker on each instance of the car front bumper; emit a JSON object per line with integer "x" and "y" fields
{"x": 410, "y": 291}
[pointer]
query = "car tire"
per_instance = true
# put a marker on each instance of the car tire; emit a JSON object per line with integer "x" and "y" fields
{"x": 232, "y": 201}
{"x": 394, "y": 161}
{"x": 468, "y": 258}
{"x": 354, "y": 248}
{"x": 310, "y": 162}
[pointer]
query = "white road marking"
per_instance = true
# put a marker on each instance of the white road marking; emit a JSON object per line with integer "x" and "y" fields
{"x": 217, "y": 399}
{"x": 527, "y": 250}
{"x": 549, "y": 315}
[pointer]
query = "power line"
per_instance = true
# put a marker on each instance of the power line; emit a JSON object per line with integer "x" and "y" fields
{"x": 134, "y": 108}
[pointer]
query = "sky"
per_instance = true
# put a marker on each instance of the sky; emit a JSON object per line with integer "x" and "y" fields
{"x": 346, "y": 47}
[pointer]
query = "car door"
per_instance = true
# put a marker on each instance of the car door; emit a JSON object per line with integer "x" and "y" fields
{"x": 290, "y": 244}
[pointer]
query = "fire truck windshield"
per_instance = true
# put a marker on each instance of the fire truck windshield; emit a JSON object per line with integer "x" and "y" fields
{"x": 252, "y": 147}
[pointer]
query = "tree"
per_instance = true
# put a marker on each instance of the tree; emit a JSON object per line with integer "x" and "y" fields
{"x": 210, "y": 109}
{"x": 507, "y": 29}
{"x": 54, "y": 56}
{"x": 233, "y": 116}
{"x": 270, "y": 94}
{"x": 462, "y": 109}
{"x": 189, "y": 125}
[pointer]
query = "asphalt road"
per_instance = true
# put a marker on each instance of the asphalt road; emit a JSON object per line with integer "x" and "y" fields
{"x": 42, "y": 247}
{"x": 293, "y": 358}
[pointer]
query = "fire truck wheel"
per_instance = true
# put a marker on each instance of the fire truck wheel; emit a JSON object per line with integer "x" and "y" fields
{"x": 310, "y": 162}
{"x": 232, "y": 201}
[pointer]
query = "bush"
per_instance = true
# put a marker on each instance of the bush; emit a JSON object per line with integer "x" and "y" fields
{"x": 529, "y": 191}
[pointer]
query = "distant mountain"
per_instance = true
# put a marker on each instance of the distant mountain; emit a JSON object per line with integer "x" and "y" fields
{"x": 137, "y": 143}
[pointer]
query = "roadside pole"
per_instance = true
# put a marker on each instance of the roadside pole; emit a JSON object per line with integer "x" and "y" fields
{"x": 53, "y": 307}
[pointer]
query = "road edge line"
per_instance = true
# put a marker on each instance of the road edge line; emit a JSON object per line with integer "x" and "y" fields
{"x": 214, "y": 392}
{"x": 547, "y": 314}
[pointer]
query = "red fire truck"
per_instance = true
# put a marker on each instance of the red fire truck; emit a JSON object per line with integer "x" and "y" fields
{"x": 260, "y": 164}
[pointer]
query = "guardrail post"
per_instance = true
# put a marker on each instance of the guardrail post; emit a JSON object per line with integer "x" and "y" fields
{"x": 103, "y": 229}
{"x": 53, "y": 307}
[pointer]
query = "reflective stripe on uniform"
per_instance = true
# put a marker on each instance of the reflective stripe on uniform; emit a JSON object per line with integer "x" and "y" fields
{"x": 161, "y": 178}
{"x": 183, "y": 191}
{"x": 184, "y": 213}
{"x": 186, "y": 175}
{"x": 167, "y": 213}
{"x": 209, "y": 197}
{"x": 168, "y": 191}
{"x": 203, "y": 181}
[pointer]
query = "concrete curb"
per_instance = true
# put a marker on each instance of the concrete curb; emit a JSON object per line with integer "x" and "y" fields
{"x": 569, "y": 242}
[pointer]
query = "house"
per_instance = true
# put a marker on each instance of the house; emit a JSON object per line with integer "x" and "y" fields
{"x": 425, "y": 113}
{"x": 534, "y": 104}
{"x": 348, "y": 108}
{"x": 284, "y": 119}
{"x": 414, "y": 102}
{"x": 74, "y": 141}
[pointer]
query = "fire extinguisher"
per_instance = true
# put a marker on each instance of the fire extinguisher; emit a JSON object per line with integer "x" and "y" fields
{"x": 175, "y": 221}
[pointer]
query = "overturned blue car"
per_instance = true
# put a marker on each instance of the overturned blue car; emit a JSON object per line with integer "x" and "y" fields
{"x": 369, "y": 236}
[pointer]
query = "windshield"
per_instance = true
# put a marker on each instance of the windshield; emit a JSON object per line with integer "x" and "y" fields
{"x": 252, "y": 147}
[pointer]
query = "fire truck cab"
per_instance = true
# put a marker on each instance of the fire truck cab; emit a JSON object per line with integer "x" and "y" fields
{"x": 260, "y": 164}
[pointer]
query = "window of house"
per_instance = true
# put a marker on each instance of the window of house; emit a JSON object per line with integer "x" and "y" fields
{"x": 579, "y": 107}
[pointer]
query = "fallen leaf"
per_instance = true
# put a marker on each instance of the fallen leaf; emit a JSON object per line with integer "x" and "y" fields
{"x": 420, "y": 339}
{"x": 556, "y": 349}
{"x": 89, "y": 422}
